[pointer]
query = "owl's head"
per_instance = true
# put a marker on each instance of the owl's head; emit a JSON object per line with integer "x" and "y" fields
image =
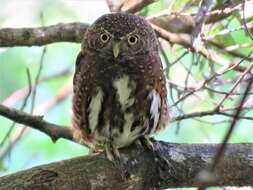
{"x": 119, "y": 35}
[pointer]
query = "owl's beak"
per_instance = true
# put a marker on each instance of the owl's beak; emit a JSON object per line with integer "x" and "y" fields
{"x": 116, "y": 49}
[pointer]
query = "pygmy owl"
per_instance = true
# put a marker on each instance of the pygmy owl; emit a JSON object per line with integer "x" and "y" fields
{"x": 119, "y": 84}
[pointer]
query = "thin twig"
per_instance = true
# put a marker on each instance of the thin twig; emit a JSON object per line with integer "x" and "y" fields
{"x": 245, "y": 24}
{"x": 220, "y": 72}
{"x": 236, "y": 117}
{"x": 133, "y": 6}
{"x": 231, "y": 50}
{"x": 37, "y": 79}
{"x": 22, "y": 106}
{"x": 235, "y": 85}
{"x": 208, "y": 113}
{"x": 207, "y": 53}
{"x": 228, "y": 31}
{"x": 4, "y": 152}
{"x": 112, "y": 7}
{"x": 21, "y": 93}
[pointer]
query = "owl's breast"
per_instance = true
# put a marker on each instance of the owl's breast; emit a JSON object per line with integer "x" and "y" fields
{"x": 124, "y": 104}
{"x": 122, "y": 110}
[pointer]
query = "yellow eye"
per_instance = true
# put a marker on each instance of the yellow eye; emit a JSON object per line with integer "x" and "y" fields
{"x": 104, "y": 37}
{"x": 132, "y": 40}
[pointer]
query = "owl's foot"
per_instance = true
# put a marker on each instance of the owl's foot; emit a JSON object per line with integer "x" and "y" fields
{"x": 94, "y": 151}
{"x": 146, "y": 142}
{"x": 156, "y": 150}
{"x": 112, "y": 153}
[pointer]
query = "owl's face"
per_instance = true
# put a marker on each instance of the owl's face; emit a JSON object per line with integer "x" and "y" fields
{"x": 118, "y": 35}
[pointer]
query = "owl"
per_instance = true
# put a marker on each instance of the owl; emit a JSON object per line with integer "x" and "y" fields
{"x": 119, "y": 84}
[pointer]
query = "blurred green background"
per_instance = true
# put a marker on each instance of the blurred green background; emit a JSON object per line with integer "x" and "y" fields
{"x": 35, "y": 148}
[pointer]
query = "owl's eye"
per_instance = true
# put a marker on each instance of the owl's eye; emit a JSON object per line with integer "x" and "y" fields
{"x": 104, "y": 37}
{"x": 132, "y": 39}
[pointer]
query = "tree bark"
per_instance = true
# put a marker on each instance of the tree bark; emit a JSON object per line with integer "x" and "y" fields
{"x": 71, "y": 32}
{"x": 146, "y": 169}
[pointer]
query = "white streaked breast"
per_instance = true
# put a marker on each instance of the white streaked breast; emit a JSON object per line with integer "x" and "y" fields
{"x": 94, "y": 109}
{"x": 155, "y": 107}
{"x": 124, "y": 91}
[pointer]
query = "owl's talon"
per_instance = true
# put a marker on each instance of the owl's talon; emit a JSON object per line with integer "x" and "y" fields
{"x": 138, "y": 143}
{"x": 145, "y": 140}
{"x": 155, "y": 150}
{"x": 93, "y": 151}
{"x": 116, "y": 151}
{"x": 111, "y": 151}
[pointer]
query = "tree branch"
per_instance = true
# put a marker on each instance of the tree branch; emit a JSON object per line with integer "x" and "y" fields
{"x": 37, "y": 122}
{"x": 96, "y": 172}
{"x": 70, "y": 32}
{"x": 133, "y": 6}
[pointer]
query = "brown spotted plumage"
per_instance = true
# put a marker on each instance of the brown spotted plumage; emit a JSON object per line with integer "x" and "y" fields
{"x": 119, "y": 84}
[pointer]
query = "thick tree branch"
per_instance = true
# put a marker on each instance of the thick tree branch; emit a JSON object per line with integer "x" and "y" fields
{"x": 185, "y": 23}
{"x": 36, "y": 122}
{"x": 71, "y": 32}
{"x": 96, "y": 172}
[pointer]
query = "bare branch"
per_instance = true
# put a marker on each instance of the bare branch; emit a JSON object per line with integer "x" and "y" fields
{"x": 113, "y": 7}
{"x": 245, "y": 24}
{"x": 71, "y": 32}
{"x": 231, "y": 51}
{"x": 13, "y": 140}
{"x": 227, "y": 31}
{"x": 34, "y": 93}
{"x": 133, "y": 6}
{"x": 21, "y": 93}
{"x": 22, "y": 107}
{"x": 209, "y": 113}
{"x": 61, "y": 95}
{"x": 248, "y": 70}
{"x": 208, "y": 53}
{"x": 37, "y": 122}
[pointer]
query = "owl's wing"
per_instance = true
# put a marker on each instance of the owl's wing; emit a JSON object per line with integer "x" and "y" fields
{"x": 79, "y": 59}
{"x": 160, "y": 87}
{"x": 80, "y": 102}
